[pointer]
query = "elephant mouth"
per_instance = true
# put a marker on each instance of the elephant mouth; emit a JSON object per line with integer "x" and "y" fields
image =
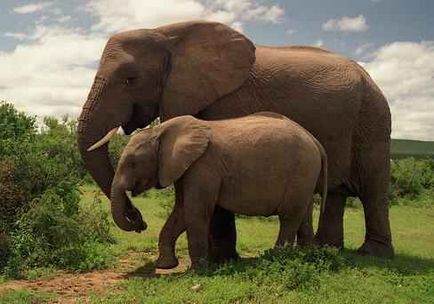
{"x": 144, "y": 185}
{"x": 142, "y": 117}
{"x": 137, "y": 121}
{"x": 130, "y": 127}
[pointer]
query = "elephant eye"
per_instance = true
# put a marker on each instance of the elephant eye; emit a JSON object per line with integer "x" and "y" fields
{"x": 129, "y": 81}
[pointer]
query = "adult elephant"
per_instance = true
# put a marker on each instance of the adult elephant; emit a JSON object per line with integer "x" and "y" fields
{"x": 211, "y": 71}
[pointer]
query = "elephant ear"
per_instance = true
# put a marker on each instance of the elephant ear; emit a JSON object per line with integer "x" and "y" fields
{"x": 182, "y": 141}
{"x": 208, "y": 60}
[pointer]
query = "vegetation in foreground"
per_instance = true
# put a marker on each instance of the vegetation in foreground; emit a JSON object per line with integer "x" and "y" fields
{"x": 295, "y": 276}
{"x": 51, "y": 218}
{"x": 42, "y": 223}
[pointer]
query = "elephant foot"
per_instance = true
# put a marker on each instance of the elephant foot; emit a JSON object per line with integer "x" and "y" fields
{"x": 166, "y": 262}
{"x": 323, "y": 241}
{"x": 219, "y": 255}
{"x": 199, "y": 264}
{"x": 305, "y": 241}
{"x": 376, "y": 248}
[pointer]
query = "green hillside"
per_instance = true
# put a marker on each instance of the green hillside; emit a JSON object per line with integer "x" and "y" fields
{"x": 402, "y": 148}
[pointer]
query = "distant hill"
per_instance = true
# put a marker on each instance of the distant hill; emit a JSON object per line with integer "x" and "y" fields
{"x": 402, "y": 148}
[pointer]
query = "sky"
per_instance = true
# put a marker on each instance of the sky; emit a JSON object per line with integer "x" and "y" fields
{"x": 49, "y": 50}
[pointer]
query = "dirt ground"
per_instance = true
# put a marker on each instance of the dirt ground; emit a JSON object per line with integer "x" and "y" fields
{"x": 73, "y": 287}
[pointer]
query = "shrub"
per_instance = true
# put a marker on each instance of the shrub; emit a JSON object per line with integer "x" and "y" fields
{"x": 58, "y": 232}
{"x": 42, "y": 221}
{"x": 4, "y": 249}
{"x": 15, "y": 129}
{"x": 14, "y": 126}
{"x": 13, "y": 197}
{"x": 95, "y": 222}
{"x": 411, "y": 180}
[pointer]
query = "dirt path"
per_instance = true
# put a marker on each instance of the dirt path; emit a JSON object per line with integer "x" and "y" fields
{"x": 73, "y": 287}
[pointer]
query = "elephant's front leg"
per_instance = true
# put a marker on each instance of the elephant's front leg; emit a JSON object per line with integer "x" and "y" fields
{"x": 172, "y": 229}
{"x": 199, "y": 203}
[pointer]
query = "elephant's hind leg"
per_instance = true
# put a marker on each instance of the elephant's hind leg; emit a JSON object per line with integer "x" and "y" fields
{"x": 287, "y": 231}
{"x": 292, "y": 216}
{"x": 331, "y": 223}
{"x": 305, "y": 234}
{"x": 374, "y": 197}
{"x": 222, "y": 236}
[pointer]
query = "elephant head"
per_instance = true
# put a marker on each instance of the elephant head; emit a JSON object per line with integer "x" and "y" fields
{"x": 158, "y": 157}
{"x": 163, "y": 72}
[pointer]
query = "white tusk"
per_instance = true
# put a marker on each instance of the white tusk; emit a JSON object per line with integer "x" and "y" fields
{"x": 103, "y": 140}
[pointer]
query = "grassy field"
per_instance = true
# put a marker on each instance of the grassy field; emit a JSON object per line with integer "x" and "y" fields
{"x": 291, "y": 276}
{"x": 402, "y": 148}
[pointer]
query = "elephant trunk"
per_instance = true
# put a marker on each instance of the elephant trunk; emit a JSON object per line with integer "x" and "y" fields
{"x": 89, "y": 131}
{"x": 122, "y": 213}
{"x": 97, "y": 162}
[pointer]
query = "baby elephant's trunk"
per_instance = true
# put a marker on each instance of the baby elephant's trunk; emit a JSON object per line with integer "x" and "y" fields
{"x": 125, "y": 215}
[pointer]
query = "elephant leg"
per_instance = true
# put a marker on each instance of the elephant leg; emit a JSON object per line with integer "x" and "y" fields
{"x": 305, "y": 235}
{"x": 198, "y": 218}
{"x": 331, "y": 222}
{"x": 287, "y": 231}
{"x": 172, "y": 229}
{"x": 222, "y": 236}
{"x": 374, "y": 197}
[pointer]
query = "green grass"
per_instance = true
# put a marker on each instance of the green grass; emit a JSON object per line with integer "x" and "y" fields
{"x": 408, "y": 278}
{"x": 22, "y": 296}
{"x": 402, "y": 148}
{"x": 290, "y": 276}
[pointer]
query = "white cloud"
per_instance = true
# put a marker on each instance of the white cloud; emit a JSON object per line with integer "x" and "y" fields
{"x": 405, "y": 73}
{"x": 346, "y": 24}
{"x": 18, "y": 35}
{"x": 364, "y": 49}
{"x": 247, "y": 10}
{"x": 153, "y": 13}
{"x": 319, "y": 43}
{"x": 290, "y": 32}
{"x": 51, "y": 71}
{"x": 52, "y": 74}
{"x": 32, "y": 7}
{"x": 63, "y": 19}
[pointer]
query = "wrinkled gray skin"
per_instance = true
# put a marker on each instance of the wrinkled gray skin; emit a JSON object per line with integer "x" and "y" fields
{"x": 261, "y": 164}
{"x": 211, "y": 71}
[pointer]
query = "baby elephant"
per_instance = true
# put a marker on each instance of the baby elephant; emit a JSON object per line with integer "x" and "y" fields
{"x": 261, "y": 164}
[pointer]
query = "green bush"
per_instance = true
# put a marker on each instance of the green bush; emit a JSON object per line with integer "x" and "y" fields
{"x": 13, "y": 197}
{"x": 4, "y": 249}
{"x": 42, "y": 221}
{"x": 57, "y": 232}
{"x": 14, "y": 126}
{"x": 412, "y": 180}
{"x": 95, "y": 222}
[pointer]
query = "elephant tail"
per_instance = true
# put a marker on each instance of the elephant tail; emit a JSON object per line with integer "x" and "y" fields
{"x": 323, "y": 174}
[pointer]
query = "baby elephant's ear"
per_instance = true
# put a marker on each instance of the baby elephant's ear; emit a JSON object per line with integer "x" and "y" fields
{"x": 182, "y": 141}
